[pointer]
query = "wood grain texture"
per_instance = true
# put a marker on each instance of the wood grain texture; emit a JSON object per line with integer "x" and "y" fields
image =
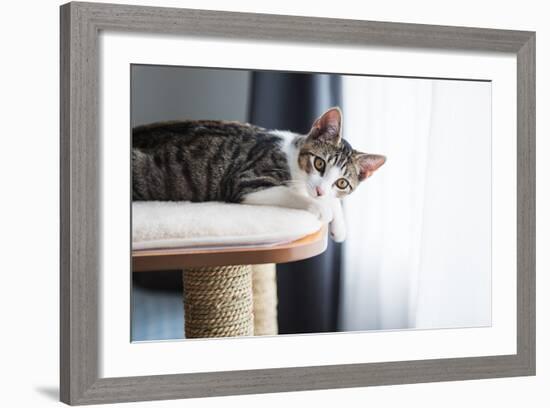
{"x": 178, "y": 258}
{"x": 79, "y": 204}
{"x": 272, "y": 27}
{"x": 80, "y": 234}
{"x": 526, "y": 197}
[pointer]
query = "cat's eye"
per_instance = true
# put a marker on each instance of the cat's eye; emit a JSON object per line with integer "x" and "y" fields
{"x": 319, "y": 164}
{"x": 342, "y": 183}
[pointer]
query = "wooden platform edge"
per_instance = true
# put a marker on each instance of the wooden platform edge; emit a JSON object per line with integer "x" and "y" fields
{"x": 177, "y": 258}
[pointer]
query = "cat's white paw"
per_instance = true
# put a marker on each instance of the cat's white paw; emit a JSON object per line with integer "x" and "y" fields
{"x": 337, "y": 231}
{"x": 321, "y": 210}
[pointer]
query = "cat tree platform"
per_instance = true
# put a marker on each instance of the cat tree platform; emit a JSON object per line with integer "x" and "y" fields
{"x": 227, "y": 253}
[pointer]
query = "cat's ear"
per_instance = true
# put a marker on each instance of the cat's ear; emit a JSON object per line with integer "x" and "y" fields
{"x": 368, "y": 164}
{"x": 328, "y": 126}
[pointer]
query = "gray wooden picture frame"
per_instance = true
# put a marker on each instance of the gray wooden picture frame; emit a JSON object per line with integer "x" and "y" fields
{"x": 80, "y": 234}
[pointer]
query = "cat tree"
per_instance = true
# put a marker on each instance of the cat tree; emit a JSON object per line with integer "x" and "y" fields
{"x": 229, "y": 281}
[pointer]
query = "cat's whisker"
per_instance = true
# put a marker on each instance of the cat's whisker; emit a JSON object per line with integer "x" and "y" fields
{"x": 296, "y": 183}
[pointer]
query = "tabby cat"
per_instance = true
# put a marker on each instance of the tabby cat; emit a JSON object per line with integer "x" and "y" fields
{"x": 242, "y": 163}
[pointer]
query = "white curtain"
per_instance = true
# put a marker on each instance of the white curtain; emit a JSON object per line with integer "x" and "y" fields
{"x": 417, "y": 253}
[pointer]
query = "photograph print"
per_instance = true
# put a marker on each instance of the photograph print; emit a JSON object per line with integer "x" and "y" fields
{"x": 272, "y": 203}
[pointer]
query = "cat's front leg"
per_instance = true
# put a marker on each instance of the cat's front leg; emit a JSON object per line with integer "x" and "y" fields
{"x": 283, "y": 196}
{"x": 321, "y": 209}
{"x": 337, "y": 227}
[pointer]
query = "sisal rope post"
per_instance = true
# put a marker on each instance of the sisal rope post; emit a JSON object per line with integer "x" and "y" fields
{"x": 264, "y": 284}
{"x": 218, "y": 301}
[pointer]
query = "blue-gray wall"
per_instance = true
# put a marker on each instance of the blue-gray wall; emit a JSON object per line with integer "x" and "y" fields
{"x": 170, "y": 93}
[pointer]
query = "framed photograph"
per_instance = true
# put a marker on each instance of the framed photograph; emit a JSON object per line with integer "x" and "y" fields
{"x": 262, "y": 203}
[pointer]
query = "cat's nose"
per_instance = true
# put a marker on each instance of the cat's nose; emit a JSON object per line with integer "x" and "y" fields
{"x": 319, "y": 191}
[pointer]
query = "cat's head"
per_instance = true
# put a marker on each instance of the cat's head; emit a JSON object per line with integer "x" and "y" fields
{"x": 331, "y": 166}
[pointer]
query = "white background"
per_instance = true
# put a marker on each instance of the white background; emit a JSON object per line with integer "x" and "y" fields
{"x": 29, "y": 169}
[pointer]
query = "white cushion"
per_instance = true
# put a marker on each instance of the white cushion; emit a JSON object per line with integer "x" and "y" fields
{"x": 157, "y": 224}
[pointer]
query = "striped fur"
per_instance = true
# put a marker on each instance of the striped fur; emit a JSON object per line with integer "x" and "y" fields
{"x": 205, "y": 161}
